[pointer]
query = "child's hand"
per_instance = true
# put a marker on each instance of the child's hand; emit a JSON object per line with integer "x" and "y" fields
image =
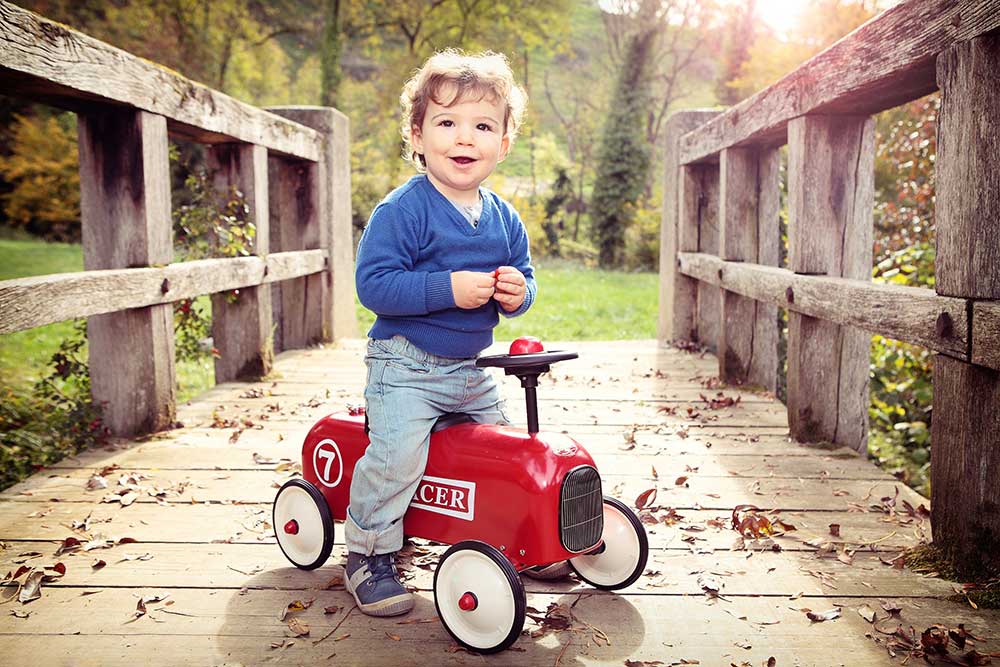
{"x": 510, "y": 288}
{"x": 471, "y": 289}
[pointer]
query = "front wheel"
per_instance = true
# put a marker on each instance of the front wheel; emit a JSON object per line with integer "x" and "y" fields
{"x": 622, "y": 558}
{"x": 479, "y": 597}
{"x": 302, "y": 524}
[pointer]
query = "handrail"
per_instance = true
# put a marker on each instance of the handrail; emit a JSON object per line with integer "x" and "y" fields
{"x": 885, "y": 62}
{"x": 51, "y": 62}
{"x": 38, "y": 300}
{"x": 720, "y": 283}
{"x": 911, "y": 314}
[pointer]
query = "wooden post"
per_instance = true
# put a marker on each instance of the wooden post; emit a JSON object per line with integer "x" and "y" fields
{"x": 298, "y": 303}
{"x": 750, "y": 191}
{"x": 701, "y": 199}
{"x": 678, "y": 293}
{"x": 125, "y": 213}
{"x": 830, "y": 202}
{"x": 965, "y": 429}
{"x": 328, "y": 296}
{"x": 241, "y": 323}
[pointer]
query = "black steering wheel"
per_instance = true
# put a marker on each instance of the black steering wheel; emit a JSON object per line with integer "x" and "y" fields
{"x": 517, "y": 364}
{"x": 527, "y": 367}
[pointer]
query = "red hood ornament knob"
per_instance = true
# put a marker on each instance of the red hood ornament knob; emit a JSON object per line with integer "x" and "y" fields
{"x": 526, "y": 345}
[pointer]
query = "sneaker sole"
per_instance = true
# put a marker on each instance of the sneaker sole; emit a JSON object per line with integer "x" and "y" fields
{"x": 394, "y": 606}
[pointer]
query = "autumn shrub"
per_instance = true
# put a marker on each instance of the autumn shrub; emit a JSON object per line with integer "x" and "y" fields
{"x": 43, "y": 173}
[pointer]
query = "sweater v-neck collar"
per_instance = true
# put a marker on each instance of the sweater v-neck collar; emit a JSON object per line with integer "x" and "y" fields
{"x": 455, "y": 215}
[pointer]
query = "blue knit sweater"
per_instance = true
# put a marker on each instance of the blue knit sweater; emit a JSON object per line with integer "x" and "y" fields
{"x": 414, "y": 239}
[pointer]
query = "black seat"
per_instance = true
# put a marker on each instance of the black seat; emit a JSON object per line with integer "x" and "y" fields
{"x": 443, "y": 422}
{"x": 451, "y": 419}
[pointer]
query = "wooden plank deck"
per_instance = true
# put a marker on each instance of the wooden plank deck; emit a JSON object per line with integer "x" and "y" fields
{"x": 199, "y": 536}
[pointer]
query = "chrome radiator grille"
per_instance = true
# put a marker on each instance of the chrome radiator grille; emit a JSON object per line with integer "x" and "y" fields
{"x": 581, "y": 509}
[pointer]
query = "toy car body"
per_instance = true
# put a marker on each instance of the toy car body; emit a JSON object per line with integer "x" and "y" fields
{"x": 508, "y": 500}
{"x": 537, "y": 498}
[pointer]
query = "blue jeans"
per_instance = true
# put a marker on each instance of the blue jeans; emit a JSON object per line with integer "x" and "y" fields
{"x": 407, "y": 390}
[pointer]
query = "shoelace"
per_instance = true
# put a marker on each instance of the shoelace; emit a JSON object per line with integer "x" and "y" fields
{"x": 381, "y": 567}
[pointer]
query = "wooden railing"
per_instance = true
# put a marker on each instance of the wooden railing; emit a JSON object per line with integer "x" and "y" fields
{"x": 720, "y": 278}
{"x": 291, "y": 165}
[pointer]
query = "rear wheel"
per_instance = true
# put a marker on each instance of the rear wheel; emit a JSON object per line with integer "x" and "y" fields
{"x": 302, "y": 524}
{"x": 479, "y": 597}
{"x": 622, "y": 558}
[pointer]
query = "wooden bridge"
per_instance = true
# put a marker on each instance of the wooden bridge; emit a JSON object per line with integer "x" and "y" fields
{"x": 160, "y": 548}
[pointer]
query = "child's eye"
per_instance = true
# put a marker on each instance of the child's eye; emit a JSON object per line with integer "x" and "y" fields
{"x": 485, "y": 127}
{"x": 446, "y": 123}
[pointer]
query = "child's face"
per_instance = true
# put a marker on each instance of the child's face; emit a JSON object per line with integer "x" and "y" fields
{"x": 462, "y": 145}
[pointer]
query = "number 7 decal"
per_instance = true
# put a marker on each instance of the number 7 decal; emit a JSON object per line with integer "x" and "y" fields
{"x": 331, "y": 469}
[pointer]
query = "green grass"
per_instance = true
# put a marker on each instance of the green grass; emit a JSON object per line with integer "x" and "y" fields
{"x": 574, "y": 303}
{"x": 25, "y": 355}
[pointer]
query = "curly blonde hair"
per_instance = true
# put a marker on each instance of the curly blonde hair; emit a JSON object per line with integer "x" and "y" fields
{"x": 451, "y": 75}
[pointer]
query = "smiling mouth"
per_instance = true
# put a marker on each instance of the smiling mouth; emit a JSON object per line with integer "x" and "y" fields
{"x": 463, "y": 160}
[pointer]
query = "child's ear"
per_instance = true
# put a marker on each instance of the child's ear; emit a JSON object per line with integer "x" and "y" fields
{"x": 504, "y": 147}
{"x": 416, "y": 139}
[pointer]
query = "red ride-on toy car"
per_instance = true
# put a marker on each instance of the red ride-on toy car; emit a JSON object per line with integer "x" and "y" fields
{"x": 505, "y": 499}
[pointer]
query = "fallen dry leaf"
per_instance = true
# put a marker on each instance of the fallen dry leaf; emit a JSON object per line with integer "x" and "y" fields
{"x": 820, "y": 616}
{"x": 298, "y": 628}
{"x": 294, "y": 606}
{"x": 867, "y": 613}
{"x": 645, "y": 499}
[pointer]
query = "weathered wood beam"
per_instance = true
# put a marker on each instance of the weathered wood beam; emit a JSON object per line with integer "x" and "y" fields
{"x": 678, "y": 293}
{"x": 241, "y": 321}
{"x": 125, "y": 220}
{"x": 986, "y": 333}
{"x": 831, "y": 195}
{"x": 295, "y": 187}
{"x": 700, "y": 198}
{"x": 910, "y": 314}
{"x": 966, "y": 425}
{"x": 26, "y": 303}
{"x": 46, "y": 60}
{"x": 750, "y": 190}
{"x": 857, "y": 75}
{"x": 333, "y": 179}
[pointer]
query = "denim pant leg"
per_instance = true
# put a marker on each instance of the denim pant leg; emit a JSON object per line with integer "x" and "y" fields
{"x": 405, "y": 395}
{"x": 482, "y": 399}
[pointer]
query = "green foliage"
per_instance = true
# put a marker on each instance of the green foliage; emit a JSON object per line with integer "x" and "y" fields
{"x": 740, "y": 32}
{"x": 906, "y": 140}
{"x": 330, "y": 50}
{"x": 206, "y": 227}
{"x": 57, "y": 418}
{"x": 624, "y": 158}
{"x": 901, "y": 392}
{"x": 642, "y": 239}
{"x": 43, "y": 171}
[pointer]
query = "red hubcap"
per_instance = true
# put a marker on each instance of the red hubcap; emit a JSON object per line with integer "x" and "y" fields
{"x": 292, "y": 527}
{"x": 468, "y": 602}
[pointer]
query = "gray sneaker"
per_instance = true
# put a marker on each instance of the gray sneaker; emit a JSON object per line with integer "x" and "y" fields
{"x": 375, "y": 585}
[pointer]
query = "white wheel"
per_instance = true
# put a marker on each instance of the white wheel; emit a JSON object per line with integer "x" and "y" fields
{"x": 302, "y": 524}
{"x": 479, "y": 597}
{"x": 622, "y": 558}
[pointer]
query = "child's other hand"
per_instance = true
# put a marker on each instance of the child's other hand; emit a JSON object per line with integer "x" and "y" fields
{"x": 471, "y": 289}
{"x": 510, "y": 288}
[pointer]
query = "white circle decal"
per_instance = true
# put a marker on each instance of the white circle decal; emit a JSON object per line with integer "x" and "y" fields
{"x": 327, "y": 463}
